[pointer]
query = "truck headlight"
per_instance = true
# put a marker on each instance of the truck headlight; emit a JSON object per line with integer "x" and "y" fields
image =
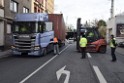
{"x": 12, "y": 47}
{"x": 37, "y": 47}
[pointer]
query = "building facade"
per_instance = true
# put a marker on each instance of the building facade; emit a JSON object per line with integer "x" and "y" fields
{"x": 1, "y": 24}
{"x": 115, "y": 26}
{"x": 37, "y": 6}
{"x": 11, "y": 8}
{"x": 50, "y": 6}
{"x": 41, "y": 6}
{"x": 8, "y": 10}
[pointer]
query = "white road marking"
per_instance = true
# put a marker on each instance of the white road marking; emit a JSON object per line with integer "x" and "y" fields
{"x": 63, "y": 71}
{"x": 99, "y": 75}
{"x": 88, "y": 54}
{"x": 42, "y": 66}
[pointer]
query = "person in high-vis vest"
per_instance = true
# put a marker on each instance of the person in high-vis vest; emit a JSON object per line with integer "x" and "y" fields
{"x": 113, "y": 47}
{"x": 56, "y": 47}
{"x": 83, "y": 44}
{"x": 91, "y": 34}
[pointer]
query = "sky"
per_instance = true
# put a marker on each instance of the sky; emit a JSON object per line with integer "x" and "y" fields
{"x": 87, "y": 10}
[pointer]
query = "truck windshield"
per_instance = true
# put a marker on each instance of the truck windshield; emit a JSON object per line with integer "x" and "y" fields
{"x": 24, "y": 27}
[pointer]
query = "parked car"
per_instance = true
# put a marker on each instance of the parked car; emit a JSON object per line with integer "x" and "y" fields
{"x": 121, "y": 44}
{"x": 71, "y": 40}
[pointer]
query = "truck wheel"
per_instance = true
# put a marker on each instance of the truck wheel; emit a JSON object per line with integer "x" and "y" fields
{"x": 102, "y": 49}
{"x": 44, "y": 51}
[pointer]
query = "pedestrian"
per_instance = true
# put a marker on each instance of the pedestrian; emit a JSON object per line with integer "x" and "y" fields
{"x": 83, "y": 44}
{"x": 113, "y": 45}
{"x": 56, "y": 47}
{"x": 91, "y": 34}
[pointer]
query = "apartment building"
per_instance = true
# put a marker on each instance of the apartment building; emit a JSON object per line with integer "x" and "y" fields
{"x": 1, "y": 24}
{"x": 41, "y": 6}
{"x": 11, "y": 8}
{"x": 37, "y": 6}
{"x": 50, "y": 6}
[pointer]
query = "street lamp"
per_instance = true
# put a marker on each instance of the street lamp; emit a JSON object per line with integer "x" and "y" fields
{"x": 112, "y": 9}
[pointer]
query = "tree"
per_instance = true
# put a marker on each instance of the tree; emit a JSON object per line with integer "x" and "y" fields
{"x": 87, "y": 24}
{"x": 70, "y": 28}
{"x": 102, "y": 31}
{"x": 101, "y": 23}
{"x": 102, "y": 27}
{"x": 94, "y": 22}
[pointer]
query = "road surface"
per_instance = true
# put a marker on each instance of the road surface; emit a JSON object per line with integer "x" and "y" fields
{"x": 68, "y": 66}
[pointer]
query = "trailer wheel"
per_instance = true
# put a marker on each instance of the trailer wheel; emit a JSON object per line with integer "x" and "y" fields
{"x": 102, "y": 49}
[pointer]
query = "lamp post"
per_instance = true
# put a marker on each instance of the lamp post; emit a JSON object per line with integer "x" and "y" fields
{"x": 112, "y": 8}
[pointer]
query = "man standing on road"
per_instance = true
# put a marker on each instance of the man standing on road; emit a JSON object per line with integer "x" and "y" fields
{"x": 56, "y": 47}
{"x": 113, "y": 47}
{"x": 83, "y": 44}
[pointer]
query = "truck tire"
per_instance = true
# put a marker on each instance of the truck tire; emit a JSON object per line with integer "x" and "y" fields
{"x": 44, "y": 51}
{"x": 102, "y": 49}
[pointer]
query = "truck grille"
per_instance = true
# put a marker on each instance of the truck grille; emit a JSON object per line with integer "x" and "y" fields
{"x": 24, "y": 45}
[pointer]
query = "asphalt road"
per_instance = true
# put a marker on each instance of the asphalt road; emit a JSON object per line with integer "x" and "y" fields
{"x": 113, "y": 72}
{"x": 68, "y": 66}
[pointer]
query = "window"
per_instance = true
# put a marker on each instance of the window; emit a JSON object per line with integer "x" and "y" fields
{"x": 41, "y": 27}
{"x": 13, "y": 6}
{"x": 1, "y": 3}
{"x": 39, "y": 11}
{"x": 35, "y": 9}
{"x": 25, "y": 10}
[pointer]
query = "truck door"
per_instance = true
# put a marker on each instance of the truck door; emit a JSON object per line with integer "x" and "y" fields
{"x": 45, "y": 35}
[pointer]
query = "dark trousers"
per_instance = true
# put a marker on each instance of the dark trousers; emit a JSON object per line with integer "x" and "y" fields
{"x": 56, "y": 49}
{"x": 113, "y": 54}
{"x": 83, "y": 51}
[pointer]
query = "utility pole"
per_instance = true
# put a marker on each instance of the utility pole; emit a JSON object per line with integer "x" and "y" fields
{"x": 66, "y": 20}
{"x": 112, "y": 8}
{"x": 78, "y": 32}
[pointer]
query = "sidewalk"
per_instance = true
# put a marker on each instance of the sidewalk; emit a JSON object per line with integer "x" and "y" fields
{"x": 5, "y": 53}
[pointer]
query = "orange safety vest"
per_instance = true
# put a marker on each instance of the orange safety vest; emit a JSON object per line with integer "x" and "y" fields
{"x": 55, "y": 40}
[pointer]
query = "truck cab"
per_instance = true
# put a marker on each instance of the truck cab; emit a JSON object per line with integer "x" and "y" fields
{"x": 32, "y": 34}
